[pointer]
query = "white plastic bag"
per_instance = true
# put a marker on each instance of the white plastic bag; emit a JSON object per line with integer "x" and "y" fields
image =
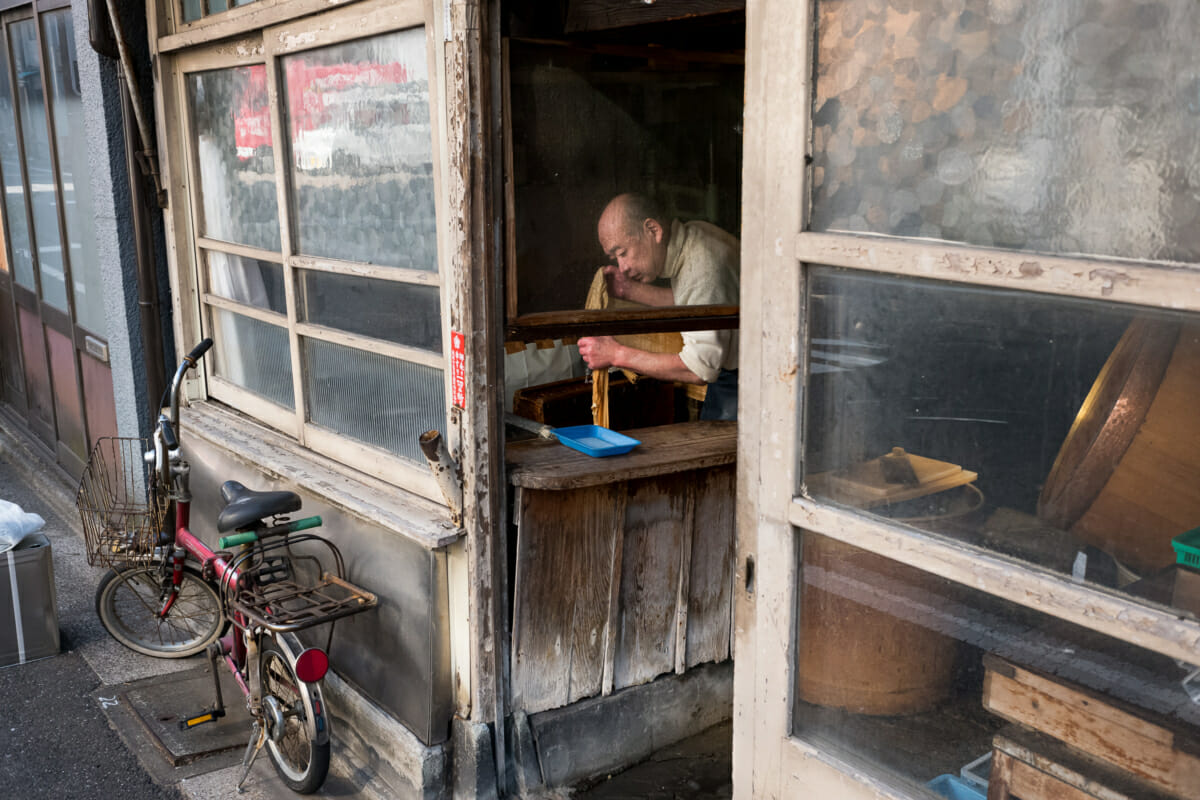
{"x": 16, "y": 524}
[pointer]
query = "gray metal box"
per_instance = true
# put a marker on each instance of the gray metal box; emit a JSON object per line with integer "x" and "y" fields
{"x": 28, "y": 607}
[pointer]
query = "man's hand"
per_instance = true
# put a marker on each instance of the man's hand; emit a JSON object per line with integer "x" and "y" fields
{"x": 599, "y": 352}
{"x": 623, "y": 287}
{"x": 602, "y": 352}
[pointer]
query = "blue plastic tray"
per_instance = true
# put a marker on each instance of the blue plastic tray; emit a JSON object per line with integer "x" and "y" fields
{"x": 953, "y": 787}
{"x": 595, "y": 441}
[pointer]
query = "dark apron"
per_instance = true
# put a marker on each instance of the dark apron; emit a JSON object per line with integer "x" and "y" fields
{"x": 720, "y": 401}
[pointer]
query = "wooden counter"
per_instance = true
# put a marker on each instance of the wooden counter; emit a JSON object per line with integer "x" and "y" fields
{"x": 541, "y": 464}
{"x": 624, "y": 565}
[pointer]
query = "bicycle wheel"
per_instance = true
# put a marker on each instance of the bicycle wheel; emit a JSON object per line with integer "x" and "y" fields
{"x": 128, "y": 601}
{"x": 294, "y": 715}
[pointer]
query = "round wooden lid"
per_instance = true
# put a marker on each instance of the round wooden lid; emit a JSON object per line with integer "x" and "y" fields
{"x": 1107, "y": 421}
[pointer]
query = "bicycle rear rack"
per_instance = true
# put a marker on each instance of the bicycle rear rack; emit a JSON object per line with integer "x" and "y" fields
{"x": 269, "y": 592}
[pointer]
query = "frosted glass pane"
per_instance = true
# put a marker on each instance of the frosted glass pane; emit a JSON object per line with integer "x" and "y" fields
{"x": 232, "y": 126}
{"x": 1055, "y": 126}
{"x": 31, "y": 108}
{"x": 254, "y": 355}
{"x": 246, "y": 280}
{"x": 70, "y": 138}
{"x": 20, "y": 250}
{"x": 397, "y": 312}
{"x": 192, "y": 10}
{"x": 372, "y": 398}
{"x": 362, "y": 151}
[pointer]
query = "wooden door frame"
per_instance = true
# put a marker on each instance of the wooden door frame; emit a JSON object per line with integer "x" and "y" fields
{"x": 773, "y": 510}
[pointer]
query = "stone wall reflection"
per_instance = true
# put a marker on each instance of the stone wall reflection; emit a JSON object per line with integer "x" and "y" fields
{"x": 1062, "y": 126}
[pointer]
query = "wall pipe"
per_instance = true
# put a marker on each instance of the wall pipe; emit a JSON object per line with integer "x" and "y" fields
{"x": 148, "y": 158}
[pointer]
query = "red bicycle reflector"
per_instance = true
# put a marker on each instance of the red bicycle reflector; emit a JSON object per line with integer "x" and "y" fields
{"x": 311, "y": 665}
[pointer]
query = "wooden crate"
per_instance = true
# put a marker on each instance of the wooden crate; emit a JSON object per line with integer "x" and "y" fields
{"x": 1135, "y": 741}
{"x": 1031, "y": 766}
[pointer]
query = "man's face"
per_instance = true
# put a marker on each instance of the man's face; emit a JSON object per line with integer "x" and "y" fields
{"x": 640, "y": 255}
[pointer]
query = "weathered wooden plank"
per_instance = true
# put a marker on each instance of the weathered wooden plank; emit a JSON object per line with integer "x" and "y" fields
{"x": 540, "y": 464}
{"x": 598, "y": 15}
{"x": 654, "y": 520}
{"x": 564, "y": 568}
{"x": 1135, "y": 744}
{"x": 614, "y": 590}
{"x": 1035, "y": 767}
{"x": 684, "y": 588}
{"x": 710, "y": 594}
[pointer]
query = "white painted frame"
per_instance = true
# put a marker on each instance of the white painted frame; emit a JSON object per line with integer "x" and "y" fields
{"x": 773, "y": 509}
{"x": 265, "y": 46}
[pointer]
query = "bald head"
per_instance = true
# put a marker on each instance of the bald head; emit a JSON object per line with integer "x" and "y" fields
{"x": 630, "y": 210}
{"x": 634, "y": 234}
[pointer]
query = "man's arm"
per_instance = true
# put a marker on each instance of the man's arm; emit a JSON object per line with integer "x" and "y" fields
{"x": 621, "y": 286}
{"x": 602, "y": 352}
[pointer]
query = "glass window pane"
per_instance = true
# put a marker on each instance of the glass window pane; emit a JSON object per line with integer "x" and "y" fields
{"x": 1063, "y": 432}
{"x": 71, "y": 142}
{"x": 232, "y": 122}
{"x": 192, "y": 10}
{"x": 254, "y": 355}
{"x": 372, "y": 398}
{"x": 1019, "y": 125}
{"x": 362, "y": 151}
{"x": 246, "y": 280}
{"x": 20, "y": 249}
{"x": 31, "y": 104}
{"x": 918, "y": 677}
{"x": 398, "y": 312}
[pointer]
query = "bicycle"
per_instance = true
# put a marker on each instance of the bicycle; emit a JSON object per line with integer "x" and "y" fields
{"x": 167, "y": 594}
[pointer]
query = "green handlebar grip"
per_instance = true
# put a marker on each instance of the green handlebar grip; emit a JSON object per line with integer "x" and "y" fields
{"x": 234, "y": 539}
{"x": 304, "y": 524}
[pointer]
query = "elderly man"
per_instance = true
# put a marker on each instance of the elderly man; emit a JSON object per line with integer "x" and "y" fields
{"x": 701, "y": 263}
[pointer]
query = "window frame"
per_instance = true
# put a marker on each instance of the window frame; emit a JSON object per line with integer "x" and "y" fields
{"x": 266, "y": 47}
{"x": 775, "y": 510}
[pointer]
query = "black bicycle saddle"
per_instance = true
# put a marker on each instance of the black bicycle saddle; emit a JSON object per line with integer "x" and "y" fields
{"x": 243, "y": 506}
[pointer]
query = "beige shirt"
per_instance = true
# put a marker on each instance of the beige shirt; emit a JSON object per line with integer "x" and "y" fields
{"x": 703, "y": 265}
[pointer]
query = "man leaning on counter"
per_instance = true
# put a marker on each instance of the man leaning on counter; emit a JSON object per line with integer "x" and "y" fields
{"x": 701, "y": 263}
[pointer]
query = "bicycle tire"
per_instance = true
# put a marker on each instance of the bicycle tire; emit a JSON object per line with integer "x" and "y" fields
{"x": 300, "y": 748}
{"x": 127, "y": 602}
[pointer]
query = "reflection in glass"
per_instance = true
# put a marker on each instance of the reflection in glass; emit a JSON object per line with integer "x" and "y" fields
{"x": 246, "y": 280}
{"x": 1019, "y": 125}
{"x": 372, "y": 398}
{"x": 232, "y": 123}
{"x": 919, "y": 677}
{"x": 31, "y": 105}
{"x": 361, "y": 151}
{"x": 398, "y": 312}
{"x": 254, "y": 355}
{"x": 14, "y": 192}
{"x": 70, "y": 140}
{"x": 1058, "y": 431}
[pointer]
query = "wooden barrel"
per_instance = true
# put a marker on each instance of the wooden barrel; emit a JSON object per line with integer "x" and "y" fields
{"x": 861, "y": 657}
{"x": 1127, "y": 478}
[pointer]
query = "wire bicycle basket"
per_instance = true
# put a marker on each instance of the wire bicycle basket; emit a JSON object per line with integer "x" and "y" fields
{"x": 119, "y": 503}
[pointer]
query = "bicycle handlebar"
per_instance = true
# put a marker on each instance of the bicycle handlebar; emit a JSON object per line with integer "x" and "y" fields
{"x": 250, "y": 537}
{"x": 198, "y": 351}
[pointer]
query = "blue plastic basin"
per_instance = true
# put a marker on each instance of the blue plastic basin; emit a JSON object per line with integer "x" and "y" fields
{"x": 953, "y": 787}
{"x": 595, "y": 441}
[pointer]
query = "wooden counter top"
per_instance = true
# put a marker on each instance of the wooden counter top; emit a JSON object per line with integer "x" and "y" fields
{"x": 542, "y": 464}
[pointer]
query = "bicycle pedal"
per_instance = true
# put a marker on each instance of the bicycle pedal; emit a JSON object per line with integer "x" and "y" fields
{"x": 200, "y": 719}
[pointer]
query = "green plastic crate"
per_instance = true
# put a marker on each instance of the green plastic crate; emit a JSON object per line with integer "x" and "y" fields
{"x": 1187, "y": 548}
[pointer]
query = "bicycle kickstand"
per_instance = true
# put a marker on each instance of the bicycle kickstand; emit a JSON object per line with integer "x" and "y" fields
{"x": 258, "y": 737}
{"x": 218, "y": 710}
